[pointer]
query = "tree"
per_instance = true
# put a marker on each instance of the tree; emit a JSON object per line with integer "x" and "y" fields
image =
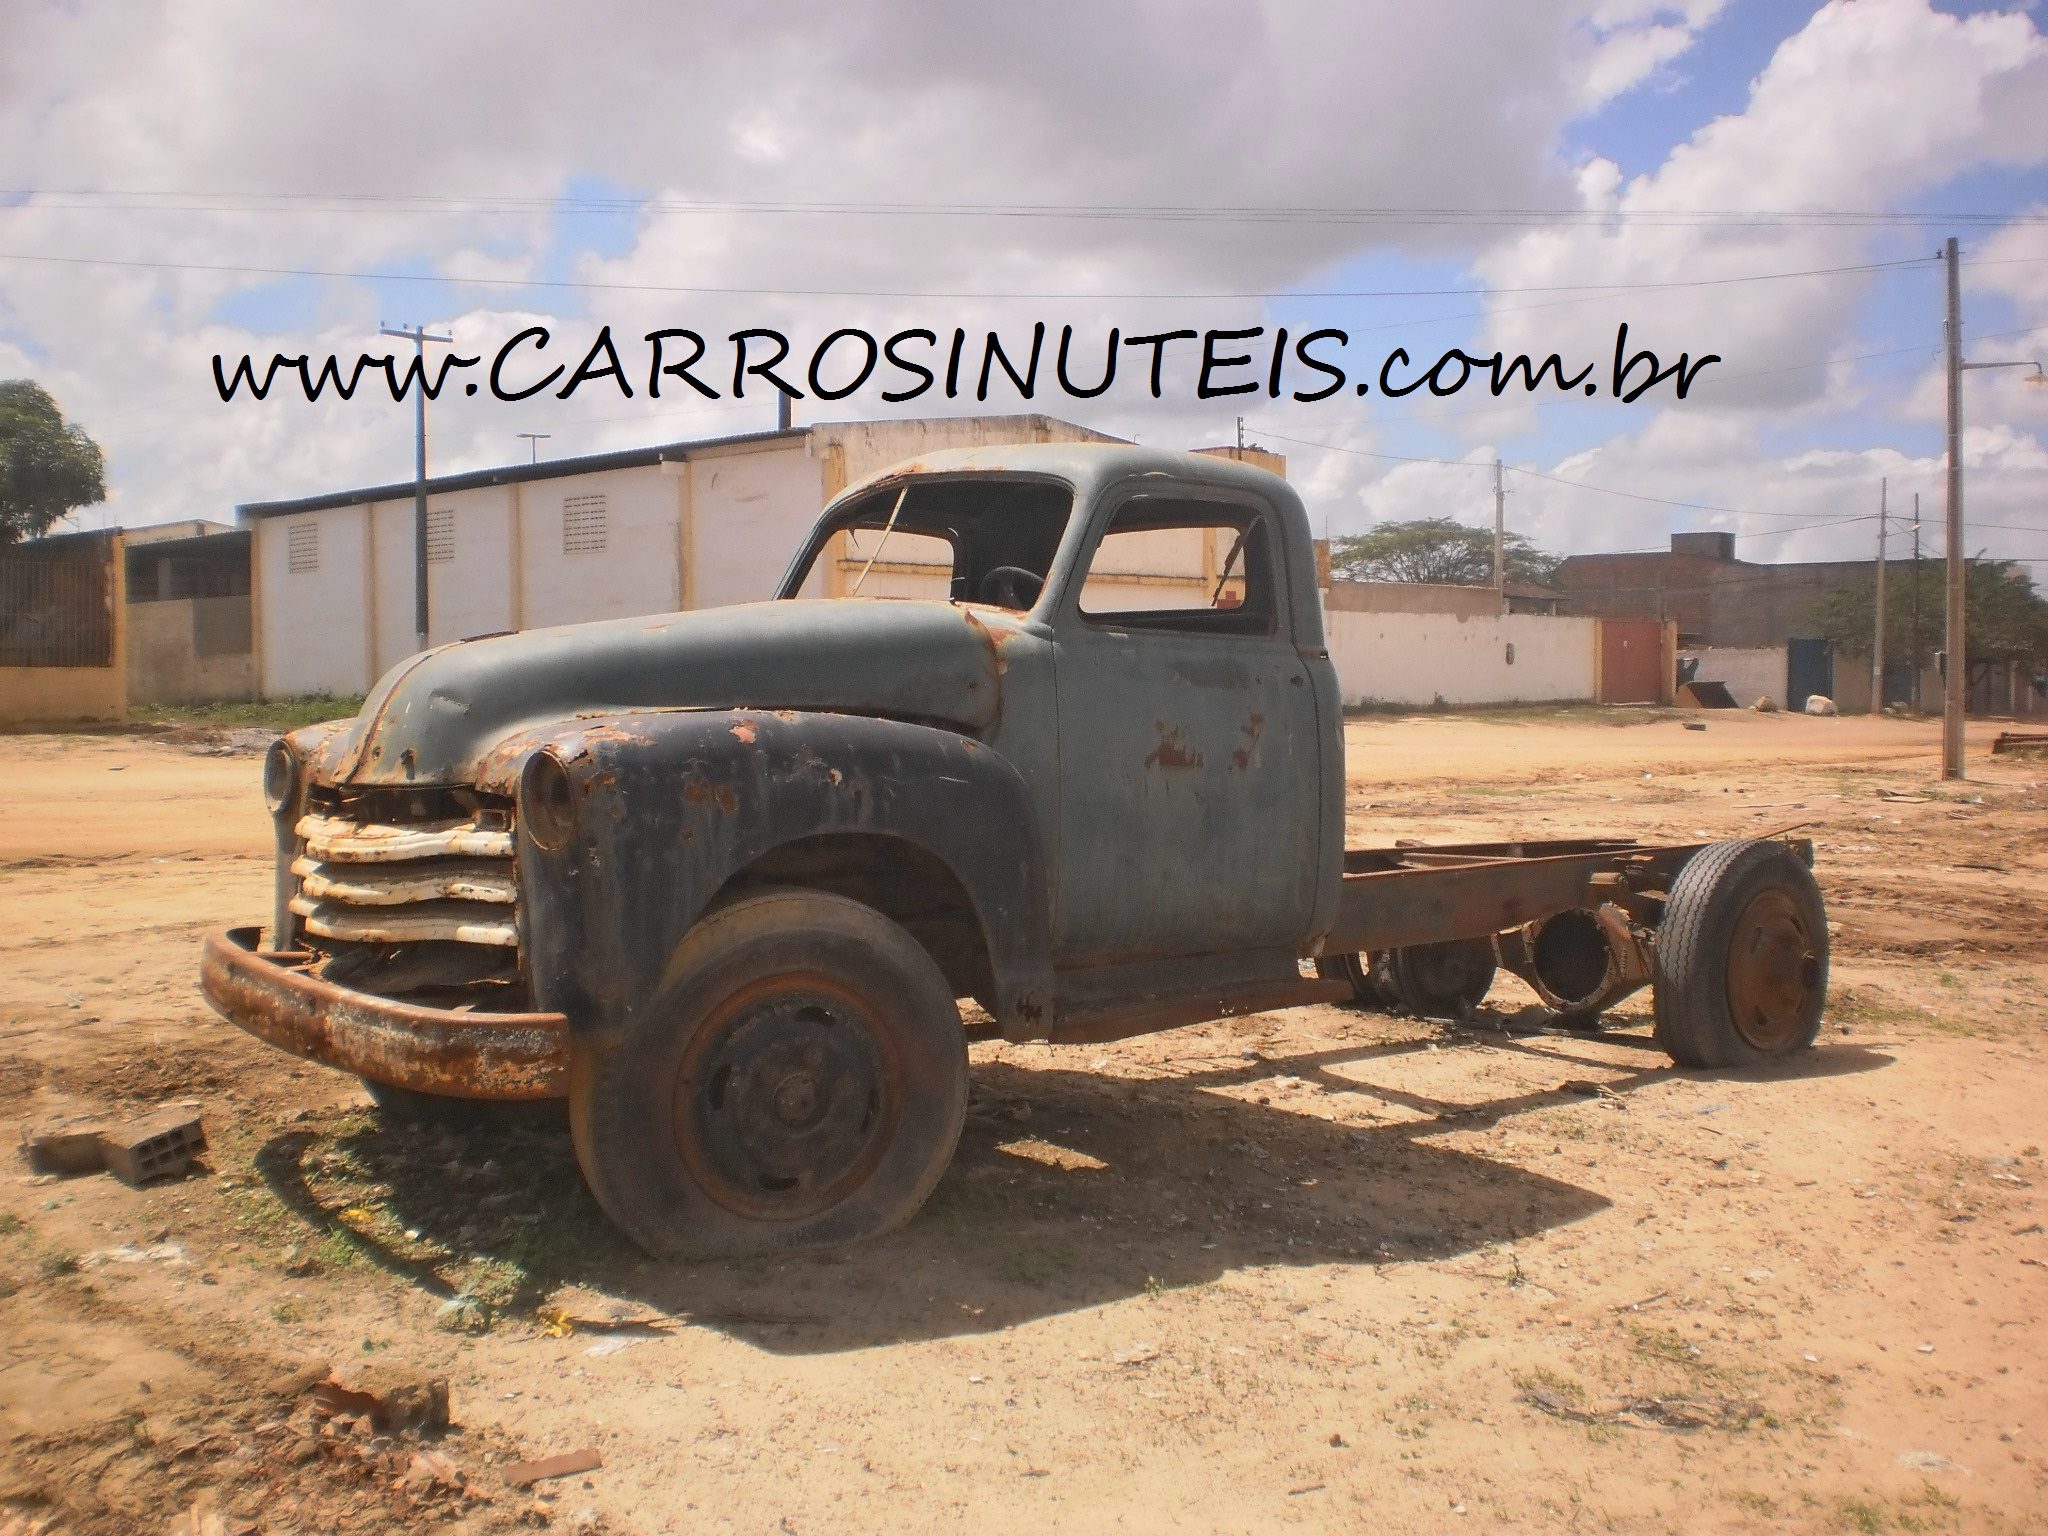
{"x": 1436, "y": 549}
{"x": 2004, "y": 618}
{"x": 48, "y": 467}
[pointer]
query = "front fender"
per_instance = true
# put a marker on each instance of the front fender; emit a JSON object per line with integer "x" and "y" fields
{"x": 670, "y": 806}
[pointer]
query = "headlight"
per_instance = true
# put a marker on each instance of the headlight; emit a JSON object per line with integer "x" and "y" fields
{"x": 280, "y": 775}
{"x": 547, "y": 801}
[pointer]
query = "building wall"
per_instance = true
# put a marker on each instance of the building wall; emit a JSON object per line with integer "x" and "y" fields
{"x": 311, "y": 623}
{"x": 1410, "y": 597}
{"x": 1421, "y": 658}
{"x": 749, "y": 509}
{"x": 31, "y": 695}
{"x": 190, "y": 651}
{"x": 638, "y": 570}
{"x": 1751, "y": 672}
{"x": 867, "y": 447}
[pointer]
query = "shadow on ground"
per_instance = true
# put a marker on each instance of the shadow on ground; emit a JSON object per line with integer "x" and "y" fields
{"x": 1070, "y": 1190}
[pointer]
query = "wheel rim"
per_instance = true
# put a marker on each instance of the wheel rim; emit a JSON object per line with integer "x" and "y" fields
{"x": 1773, "y": 971}
{"x": 1448, "y": 978}
{"x": 787, "y": 1098}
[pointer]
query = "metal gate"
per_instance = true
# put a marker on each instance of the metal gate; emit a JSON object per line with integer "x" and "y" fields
{"x": 55, "y": 613}
{"x": 1809, "y": 669}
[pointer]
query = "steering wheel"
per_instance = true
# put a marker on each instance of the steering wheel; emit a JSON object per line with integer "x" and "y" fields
{"x": 1011, "y": 586}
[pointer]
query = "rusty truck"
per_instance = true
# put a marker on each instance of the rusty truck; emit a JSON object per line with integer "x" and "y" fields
{"x": 724, "y": 880}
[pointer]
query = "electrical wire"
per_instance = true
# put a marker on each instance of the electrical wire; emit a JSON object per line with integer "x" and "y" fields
{"x": 223, "y": 201}
{"x": 584, "y": 285}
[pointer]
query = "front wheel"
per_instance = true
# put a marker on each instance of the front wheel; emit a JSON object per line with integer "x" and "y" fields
{"x": 1742, "y": 958}
{"x": 800, "y": 1078}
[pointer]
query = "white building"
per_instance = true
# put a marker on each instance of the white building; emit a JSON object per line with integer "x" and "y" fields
{"x": 647, "y": 530}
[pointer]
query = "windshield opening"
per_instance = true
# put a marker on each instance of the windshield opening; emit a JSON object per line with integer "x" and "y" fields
{"x": 989, "y": 540}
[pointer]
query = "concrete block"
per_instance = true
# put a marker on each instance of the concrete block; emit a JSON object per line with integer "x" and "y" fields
{"x": 157, "y": 1146}
{"x": 70, "y": 1145}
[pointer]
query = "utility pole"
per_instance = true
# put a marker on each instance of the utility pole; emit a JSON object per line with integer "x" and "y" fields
{"x": 419, "y": 337}
{"x": 533, "y": 441}
{"x": 1877, "y": 641}
{"x": 1500, "y": 523}
{"x": 1952, "y": 690}
{"x": 1240, "y": 437}
{"x": 1955, "y": 691}
{"x": 1918, "y": 665}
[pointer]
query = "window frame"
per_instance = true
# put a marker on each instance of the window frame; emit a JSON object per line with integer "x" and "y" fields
{"x": 1233, "y": 510}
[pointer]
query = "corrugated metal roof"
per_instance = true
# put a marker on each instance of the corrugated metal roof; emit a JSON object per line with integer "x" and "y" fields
{"x": 547, "y": 469}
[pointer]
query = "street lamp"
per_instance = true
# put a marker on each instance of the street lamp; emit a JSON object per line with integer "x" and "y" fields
{"x": 1955, "y": 685}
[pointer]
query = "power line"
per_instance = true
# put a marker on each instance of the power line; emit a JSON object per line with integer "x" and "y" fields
{"x": 1591, "y": 289}
{"x": 223, "y": 201}
{"x": 1578, "y": 485}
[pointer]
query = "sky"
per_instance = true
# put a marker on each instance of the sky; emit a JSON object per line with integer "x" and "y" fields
{"x": 1761, "y": 180}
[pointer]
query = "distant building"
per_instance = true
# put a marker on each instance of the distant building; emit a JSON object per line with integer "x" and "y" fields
{"x": 190, "y": 636}
{"x": 1752, "y": 624}
{"x": 1714, "y": 598}
{"x": 675, "y": 526}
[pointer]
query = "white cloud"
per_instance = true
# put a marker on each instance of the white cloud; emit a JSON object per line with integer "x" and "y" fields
{"x": 1289, "y": 103}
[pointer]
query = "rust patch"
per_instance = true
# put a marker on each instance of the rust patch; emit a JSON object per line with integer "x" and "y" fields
{"x": 988, "y": 637}
{"x": 745, "y": 732}
{"x": 433, "y": 1050}
{"x": 699, "y": 791}
{"x": 1172, "y": 751}
{"x": 1251, "y": 730}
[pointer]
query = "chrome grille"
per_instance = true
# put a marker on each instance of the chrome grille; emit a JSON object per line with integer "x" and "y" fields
{"x": 386, "y": 883}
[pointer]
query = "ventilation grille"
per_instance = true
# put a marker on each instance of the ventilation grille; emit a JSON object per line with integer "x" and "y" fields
{"x": 440, "y": 535}
{"x": 302, "y": 548}
{"x": 583, "y": 525}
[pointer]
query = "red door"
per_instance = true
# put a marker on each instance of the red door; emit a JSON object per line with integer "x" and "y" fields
{"x": 1631, "y": 661}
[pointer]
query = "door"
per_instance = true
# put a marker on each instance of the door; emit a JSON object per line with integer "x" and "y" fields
{"x": 1190, "y": 749}
{"x": 1631, "y": 661}
{"x": 1809, "y": 669}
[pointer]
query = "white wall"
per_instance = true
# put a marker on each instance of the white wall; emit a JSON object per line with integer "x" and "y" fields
{"x": 749, "y": 510}
{"x": 1750, "y": 673}
{"x": 311, "y": 622}
{"x": 638, "y": 570}
{"x": 1417, "y": 658}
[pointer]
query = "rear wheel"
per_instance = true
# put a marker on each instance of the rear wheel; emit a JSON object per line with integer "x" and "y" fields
{"x": 1361, "y": 971}
{"x": 800, "y": 1078}
{"x": 1447, "y": 980}
{"x": 1742, "y": 958}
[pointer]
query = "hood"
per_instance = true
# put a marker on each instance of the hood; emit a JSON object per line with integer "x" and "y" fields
{"x": 433, "y": 718}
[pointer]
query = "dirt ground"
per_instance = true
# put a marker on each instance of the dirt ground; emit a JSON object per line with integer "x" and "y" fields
{"x": 1317, "y": 1269}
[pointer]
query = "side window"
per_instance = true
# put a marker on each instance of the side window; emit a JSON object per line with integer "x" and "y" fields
{"x": 1193, "y": 567}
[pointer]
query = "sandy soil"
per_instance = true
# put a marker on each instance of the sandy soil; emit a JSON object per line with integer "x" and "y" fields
{"x": 1317, "y": 1269}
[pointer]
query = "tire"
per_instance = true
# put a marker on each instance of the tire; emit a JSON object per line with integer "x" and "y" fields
{"x": 408, "y": 1106}
{"x": 1742, "y": 958}
{"x": 1448, "y": 980}
{"x": 798, "y": 1079}
{"x": 1359, "y": 970}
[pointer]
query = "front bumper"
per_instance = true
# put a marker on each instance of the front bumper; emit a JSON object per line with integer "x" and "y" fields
{"x": 273, "y": 995}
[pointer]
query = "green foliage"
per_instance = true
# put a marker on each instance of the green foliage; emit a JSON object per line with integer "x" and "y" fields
{"x": 269, "y": 714}
{"x": 1436, "y": 549}
{"x": 48, "y": 468}
{"x": 2005, "y": 618}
